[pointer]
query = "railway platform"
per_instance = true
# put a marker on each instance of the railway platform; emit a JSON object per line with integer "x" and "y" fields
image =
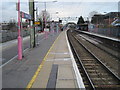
{"x": 58, "y": 68}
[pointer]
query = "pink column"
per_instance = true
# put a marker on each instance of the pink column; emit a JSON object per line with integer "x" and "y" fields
{"x": 19, "y": 35}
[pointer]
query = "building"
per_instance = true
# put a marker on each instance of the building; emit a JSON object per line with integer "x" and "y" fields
{"x": 106, "y": 19}
{"x": 98, "y": 19}
{"x": 110, "y": 17}
{"x": 5, "y": 26}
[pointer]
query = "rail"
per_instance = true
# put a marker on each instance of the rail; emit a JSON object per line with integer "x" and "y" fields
{"x": 98, "y": 60}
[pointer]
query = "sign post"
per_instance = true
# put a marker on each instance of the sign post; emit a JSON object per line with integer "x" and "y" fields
{"x": 27, "y": 17}
{"x": 32, "y": 30}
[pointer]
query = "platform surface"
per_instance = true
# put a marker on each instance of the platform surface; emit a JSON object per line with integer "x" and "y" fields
{"x": 18, "y": 73}
{"x": 58, "y": 55}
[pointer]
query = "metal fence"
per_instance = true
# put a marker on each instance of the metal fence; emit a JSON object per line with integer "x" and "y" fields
{"x": 9, "y": 35}
{"x": 110, "y": 32}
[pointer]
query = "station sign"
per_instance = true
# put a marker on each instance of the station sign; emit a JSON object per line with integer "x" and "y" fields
{"x": 37, "y": 23}
{"x": 46, "y": 29}
{"x": 25, "y": 16}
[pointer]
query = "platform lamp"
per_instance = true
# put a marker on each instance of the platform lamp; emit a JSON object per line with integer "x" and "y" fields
{"x": 19, "y": 34}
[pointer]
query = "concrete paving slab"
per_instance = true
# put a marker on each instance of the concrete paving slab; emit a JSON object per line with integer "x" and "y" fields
{"x": 64, "y": 56}
{"x": 66, "y": 84}
{"x": 59, "y": 55}
{"x": 65, "y": 72}
{"x": 42, "y": 79}
{"x": 63, "y": 62}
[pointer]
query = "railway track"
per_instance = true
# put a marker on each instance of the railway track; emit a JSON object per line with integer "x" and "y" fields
{"x": 99, "y": 51}
{"x": 96, "y": 75}
{"x": 111, "y": 44}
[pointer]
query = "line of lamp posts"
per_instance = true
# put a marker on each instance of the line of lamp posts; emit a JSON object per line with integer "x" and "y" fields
{"x": 20, "y": 51}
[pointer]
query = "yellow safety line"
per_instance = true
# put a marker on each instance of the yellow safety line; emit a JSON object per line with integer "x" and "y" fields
{"x": 39, "y": 68}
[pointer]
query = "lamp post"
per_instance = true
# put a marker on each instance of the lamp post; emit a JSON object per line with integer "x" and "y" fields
{"x": 19, "y": 34}
{"x": 32, "y": 22}
{"x": 37, "y": 39}
{"x": 45, "y": 8}
{"x": 52, "y": 23}
{"x": 44, "y": 16}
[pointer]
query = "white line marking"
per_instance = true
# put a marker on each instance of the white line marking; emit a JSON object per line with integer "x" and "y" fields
{"x": 8, "y": 61}
{"x": 61, "y": 59}
{"x": 13, "y": 41}
{"x": 59, "y": 53}
{"x": 12, "y": 59}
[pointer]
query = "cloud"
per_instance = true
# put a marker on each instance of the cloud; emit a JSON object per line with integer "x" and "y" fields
{"x": 80, "y": 0}
{"x": 62, "y": 0}
{"x": 8, "y": 10}
{"x": 69, "y": 8}
{"x": 76, "y": 9}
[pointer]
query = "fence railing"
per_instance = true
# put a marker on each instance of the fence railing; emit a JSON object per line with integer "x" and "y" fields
{"x": 9, "y": 35}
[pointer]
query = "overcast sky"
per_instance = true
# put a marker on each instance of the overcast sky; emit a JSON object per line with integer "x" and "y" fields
{"x": 68, "y": 8}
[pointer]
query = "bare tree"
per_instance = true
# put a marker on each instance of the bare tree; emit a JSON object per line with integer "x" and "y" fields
{"x": 44, "y": 15}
